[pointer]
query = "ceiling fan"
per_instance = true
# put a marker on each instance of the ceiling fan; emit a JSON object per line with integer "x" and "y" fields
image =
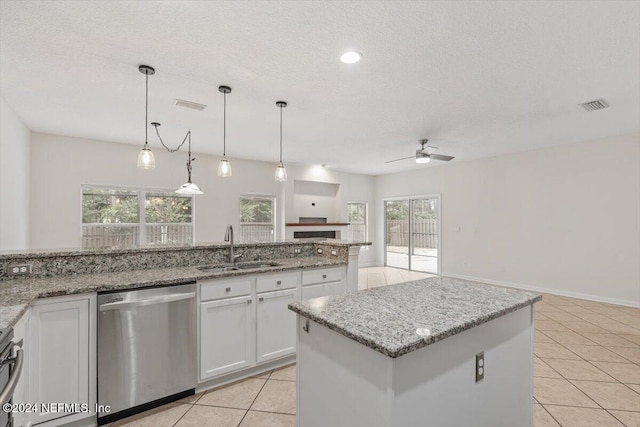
{"x": 423, "y": 156}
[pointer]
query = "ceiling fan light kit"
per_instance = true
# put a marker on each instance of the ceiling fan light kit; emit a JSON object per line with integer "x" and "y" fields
{"x": 422, "y": 156}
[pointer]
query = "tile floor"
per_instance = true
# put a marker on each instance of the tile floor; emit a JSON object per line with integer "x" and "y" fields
{"x": 586, "y": 372}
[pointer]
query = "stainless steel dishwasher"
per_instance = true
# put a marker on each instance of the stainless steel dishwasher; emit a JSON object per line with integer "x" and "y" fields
{"x": 146, "y": 349}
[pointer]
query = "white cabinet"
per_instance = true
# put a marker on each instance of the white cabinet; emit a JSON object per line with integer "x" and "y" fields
{"x": 245, "y": 321}
{"x": 61, "y": 356}
{"x": 323, "y": 282}
{"x": 227, "y": 331}
{"x": 276, "y": 334}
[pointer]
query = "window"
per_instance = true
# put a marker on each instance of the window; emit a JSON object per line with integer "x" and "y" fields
{"x": 357, "y": 217}
{"x": 121, "y": 218}
{"x": 257, "y": 218}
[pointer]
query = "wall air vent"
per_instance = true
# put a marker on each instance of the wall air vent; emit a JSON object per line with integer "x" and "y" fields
{"x": 189, "y": 104}
{"x": 596, "y": 104}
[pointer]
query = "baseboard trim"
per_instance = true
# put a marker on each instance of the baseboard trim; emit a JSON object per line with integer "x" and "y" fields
{"x": 588, "y": 297}
{"x": 367, "y": 264}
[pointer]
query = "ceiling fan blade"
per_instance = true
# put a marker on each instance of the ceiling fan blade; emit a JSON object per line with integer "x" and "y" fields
{"x": 404, "y": 158}
{"x": 441, "y": 157}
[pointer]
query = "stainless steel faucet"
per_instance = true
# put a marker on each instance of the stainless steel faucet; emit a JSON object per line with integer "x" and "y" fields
{"x": 228, "y": 237}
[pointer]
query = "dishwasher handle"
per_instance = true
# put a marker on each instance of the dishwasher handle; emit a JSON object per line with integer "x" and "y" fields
{"x": 164, "y": 299}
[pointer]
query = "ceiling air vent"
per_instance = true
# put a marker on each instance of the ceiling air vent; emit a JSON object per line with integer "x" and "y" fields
{"x": 189, "y": 104}
{"x": 596, "y": 104}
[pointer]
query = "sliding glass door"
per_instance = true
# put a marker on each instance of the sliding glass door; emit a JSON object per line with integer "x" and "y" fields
{"x": 397, "y": 233}
{"x": 412, "y": 234}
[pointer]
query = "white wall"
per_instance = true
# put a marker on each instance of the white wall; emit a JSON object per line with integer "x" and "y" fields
{"x": 566, "y": 218}
{"x": 14, "y": 180}
{"x": 62, "y": 164}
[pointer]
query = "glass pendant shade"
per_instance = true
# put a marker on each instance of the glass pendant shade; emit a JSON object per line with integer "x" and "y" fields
{"x": 146, "y": 160}
{"x": 224, "y": 168}
{"x": 281, "y": 173}
{"x": 189, "y": 188}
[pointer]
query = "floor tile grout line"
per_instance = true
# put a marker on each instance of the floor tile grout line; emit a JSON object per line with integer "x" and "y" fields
{"x": 271, "y": 412}
{"x": 551, "y": 415}
{"x": 254, "y": 399}
{"x": 182, "y": 416}
{"x": 579, "y": 389}
{"x": 598, "y": 368}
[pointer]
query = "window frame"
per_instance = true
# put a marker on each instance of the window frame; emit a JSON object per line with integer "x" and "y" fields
{"x": 366, "y": 218}
{"x": 142, "y": 221}
{"x": 274, "y": 220}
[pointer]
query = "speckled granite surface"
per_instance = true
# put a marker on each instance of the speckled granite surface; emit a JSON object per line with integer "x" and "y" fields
{"x": 73, "y": 262}
{"x": 17, "y": 295}
{"x": 388, "y": 319}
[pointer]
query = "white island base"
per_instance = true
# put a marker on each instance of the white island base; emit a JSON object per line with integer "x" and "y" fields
{"x": 342, "y": 383}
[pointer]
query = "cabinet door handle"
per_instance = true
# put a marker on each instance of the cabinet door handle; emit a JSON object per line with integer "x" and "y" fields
{"x": 228, "y": 290}
{"x": 279, "y": 282}
{"x": 260, "y": 299}
{"x": 248, "y": 301}
{"x": 324, "y": 276}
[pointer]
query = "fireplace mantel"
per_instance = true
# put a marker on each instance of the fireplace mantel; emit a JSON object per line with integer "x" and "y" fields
{"x": 293, "y": 228}
{"x": 317, "y": 224}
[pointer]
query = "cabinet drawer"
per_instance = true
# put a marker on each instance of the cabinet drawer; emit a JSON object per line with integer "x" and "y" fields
{"x": 275, "y": 282}
{"x": 321, "y": 276}
{"x": 334, "y": 288}
{"x": 216, "y": 289}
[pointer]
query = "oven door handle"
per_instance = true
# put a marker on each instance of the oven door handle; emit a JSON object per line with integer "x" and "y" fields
{"x": 8, "y": 390}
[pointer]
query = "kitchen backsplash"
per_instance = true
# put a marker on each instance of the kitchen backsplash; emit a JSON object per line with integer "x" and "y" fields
{"x": 109, "y": 261}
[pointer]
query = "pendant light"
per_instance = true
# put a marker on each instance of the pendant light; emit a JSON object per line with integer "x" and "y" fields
{"x": 224, "y": 167}
{"x": 189, "y": 187}
{"x": 281, "y": 172}
{"x": 146, "y": 160}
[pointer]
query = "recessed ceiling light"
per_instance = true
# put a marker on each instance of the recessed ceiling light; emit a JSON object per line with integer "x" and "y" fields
{"x": 350, "y": 57}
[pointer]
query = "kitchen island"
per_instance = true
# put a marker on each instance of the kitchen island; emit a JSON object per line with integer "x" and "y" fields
{"x": 433, "y": 352}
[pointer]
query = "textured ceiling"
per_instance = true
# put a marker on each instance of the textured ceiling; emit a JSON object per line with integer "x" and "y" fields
{"x": 477, "y": 78}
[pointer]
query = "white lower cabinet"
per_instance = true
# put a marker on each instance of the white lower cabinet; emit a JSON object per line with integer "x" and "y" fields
{"x": 276, "y": 333}
{"x": 227, "y": 331}
{"x": 61, "y": 357}
{"x": 323, "y": 282}
{"x": 246, "y": 321}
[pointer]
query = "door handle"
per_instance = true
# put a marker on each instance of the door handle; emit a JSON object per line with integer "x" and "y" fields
{"x": 228, "y": 290}
{"x": 248, "y": 301}
{"x": 279, "y": 282}
{"x": 8, "y": 390}
{"x": 324, "y": 276}
{"x": 260, "y": 299}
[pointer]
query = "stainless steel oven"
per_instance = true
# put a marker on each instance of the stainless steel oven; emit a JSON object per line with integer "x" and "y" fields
{"x": 10, "y": 370}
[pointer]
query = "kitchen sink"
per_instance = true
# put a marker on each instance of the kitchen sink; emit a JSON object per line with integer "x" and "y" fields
{"x": 254, "y": 265}
{"x": 240, "y": 266}
{"x": 217, "y": 268}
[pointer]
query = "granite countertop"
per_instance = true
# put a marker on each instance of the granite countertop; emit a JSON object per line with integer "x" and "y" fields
{"x": 17, "y": 295}
{"x": 79, "y": 251}
{"x": 389, "y": 319}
